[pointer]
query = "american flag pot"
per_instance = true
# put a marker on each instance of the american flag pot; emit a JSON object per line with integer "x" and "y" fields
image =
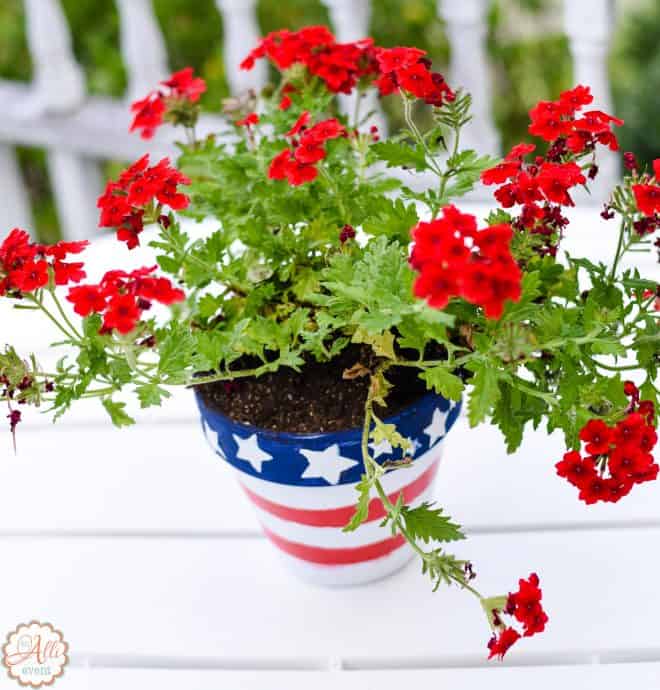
{"x": 302, "y": 487}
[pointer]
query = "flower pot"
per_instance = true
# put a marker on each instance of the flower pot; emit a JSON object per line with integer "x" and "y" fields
{"x": 303, "y": 488}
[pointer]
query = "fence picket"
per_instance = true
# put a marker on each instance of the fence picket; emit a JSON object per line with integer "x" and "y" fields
{"x": 142, "y": 46}
{"x": 588, "y": 24}
{"x": 14, "y": 205}
{"x": 241, "y": 33}
{"x": 350, "y": 20}
{"x": 469, "y": 68}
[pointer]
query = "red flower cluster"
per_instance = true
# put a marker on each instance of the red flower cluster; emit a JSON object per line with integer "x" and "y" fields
{"x": 338, "y": 65}
{"x": 617, "y": 457}
{"x": 562, "y": 120}
{"x": 140, "y": 188}
{"x": 525, "y": 606}
{"x": 541, "y": 188}
{"x": 297, "y": 165}
{"x": 122, "y": 297}
{"x": 647, "y": 198}
{"x": 454, "y": 259}
{"x": 179, "y": 90}
{"x": 341, "y": 65}
{"x": 409, "y": 70}
{"x": 26, "y": 266}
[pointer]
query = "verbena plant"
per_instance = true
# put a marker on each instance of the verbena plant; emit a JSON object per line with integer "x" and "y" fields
{"x": 320, "y": 245}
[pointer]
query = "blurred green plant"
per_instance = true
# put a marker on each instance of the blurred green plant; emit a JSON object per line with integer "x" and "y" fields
{"x": 635, "y": 72}
{"x": 526, "y": 69}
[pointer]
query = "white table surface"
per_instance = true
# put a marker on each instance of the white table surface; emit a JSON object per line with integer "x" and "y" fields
{"x": 140, "y": 547}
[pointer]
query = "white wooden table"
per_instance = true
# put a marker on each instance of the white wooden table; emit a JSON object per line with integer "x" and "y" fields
{"x": 141, "y": 548}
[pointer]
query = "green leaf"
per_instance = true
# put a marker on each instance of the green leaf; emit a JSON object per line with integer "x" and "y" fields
{"x": 443, "y": 382}
{"x": 400, "y": 155}
{"x": 362, "y": 507}
{"x": 117, "y": 414}
{"x": 485, "y": 391}
{"x": 151, "y": 394}
{"x": 429, "y": 524}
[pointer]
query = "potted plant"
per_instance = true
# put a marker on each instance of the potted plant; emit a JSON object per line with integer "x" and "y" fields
{"x": 335, "y": 320}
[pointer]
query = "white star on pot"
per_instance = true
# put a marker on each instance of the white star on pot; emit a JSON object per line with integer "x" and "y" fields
{"x": 327, "y": 464}
{"x": 437, "y": 428}
{"x": 415, "y": 445}
{"x": 378, "y": 449}
{"x": 213, "y": 439}
{"x": 248, "y": 449}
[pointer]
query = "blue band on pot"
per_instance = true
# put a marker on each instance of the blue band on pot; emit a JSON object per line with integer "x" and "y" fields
{"x": 322, "y": 459}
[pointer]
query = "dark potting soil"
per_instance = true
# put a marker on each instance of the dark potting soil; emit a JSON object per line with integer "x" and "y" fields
{"x": 316, "y": 399}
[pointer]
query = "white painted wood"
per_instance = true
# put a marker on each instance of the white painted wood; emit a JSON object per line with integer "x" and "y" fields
{"x": 14, "y": 203}
{"x": 241, "y": 33}
{"x": 469, "y": 68}
{"x": 588, "y": 24}
{"x": 350, "y": 20}
{"x": 142, "y": 47}
{"x": 232, "y": 602}
{"x": 59, "y": 82}
{"x": 60, "y": 88}
{"x": 166, "y": 458}
{"x": 76, "y": 183}
{"x": 641, "y": 676}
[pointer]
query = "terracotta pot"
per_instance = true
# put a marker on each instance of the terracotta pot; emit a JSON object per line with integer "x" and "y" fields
{"x": 302, "y": 487}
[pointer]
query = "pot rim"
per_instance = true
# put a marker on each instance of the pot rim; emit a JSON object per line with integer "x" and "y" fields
{"x": 345, "y": 435}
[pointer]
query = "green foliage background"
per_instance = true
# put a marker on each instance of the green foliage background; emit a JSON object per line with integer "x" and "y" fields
{"x": 525, "y": 69}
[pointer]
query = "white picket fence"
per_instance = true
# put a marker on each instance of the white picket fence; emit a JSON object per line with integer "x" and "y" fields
{"x": 78, "y": 131}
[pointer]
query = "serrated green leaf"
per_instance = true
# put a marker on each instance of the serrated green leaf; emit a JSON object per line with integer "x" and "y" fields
{"x": 485, "y": 391}
{"x": 443, "y": 382}
{"x": 117, "y": 413}
{"x": 427, "y": 523}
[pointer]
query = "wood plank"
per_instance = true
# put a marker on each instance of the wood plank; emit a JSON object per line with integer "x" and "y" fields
{"x": 641, "y": 676}
{"x": 232, "y": 601}
{"x": 162, "y": 478}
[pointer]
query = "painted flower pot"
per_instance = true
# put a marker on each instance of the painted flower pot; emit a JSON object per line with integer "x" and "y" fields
{"x": 302, "y": 487}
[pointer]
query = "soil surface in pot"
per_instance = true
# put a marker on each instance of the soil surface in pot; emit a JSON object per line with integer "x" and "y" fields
{"x": 316, "y": 399}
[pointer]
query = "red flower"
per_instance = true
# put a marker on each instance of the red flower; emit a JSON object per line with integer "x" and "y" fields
{"x": 547, "y": 121}
{"x": 628, "y": 461}
{"x": 61, "y": 249}
{"x": 647, "y": 198}
{"x": 573, "y": 100}
{"x": 279, "y": 165}
{"x": 148, "y": 115}
{"x": 415, "y": 79}
{"x": 299, "y": 124}
{"x": 555, "y": 179}
{"x": 500, "y": 173}
{"x": 499, "y": 646}
{"x": 248, "y": 120}
{"x": 68, "y": 272}
{"x": 86, "y": 299}
{"x": 629, "y": 429}
{"x": 309, "y": 150}
{"x": 593, "y": 490}
{"x": 299, "y": 173}
{"x": 122, "y": 314}
{"x": 437, "y": 285}
{"x": 327, "y": 129}
{"x": 392, "y": 59}
{"x": 31, "y": 276}
{"x": 184, "y": 85}
{"x": 575, "y": 469}
{"x": 597, "y": 435}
